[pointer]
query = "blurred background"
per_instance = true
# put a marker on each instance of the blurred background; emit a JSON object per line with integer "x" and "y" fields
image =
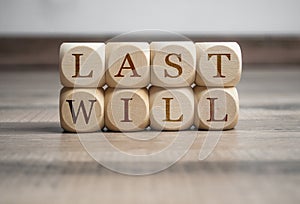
{"x": 267, "y": 30}
{"x": 96, "y": 17}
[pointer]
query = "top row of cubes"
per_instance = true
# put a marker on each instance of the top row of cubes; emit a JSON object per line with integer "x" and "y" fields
{"x": 138, "y": 64}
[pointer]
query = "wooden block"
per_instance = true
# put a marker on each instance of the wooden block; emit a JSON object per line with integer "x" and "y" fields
{"x": 82, "y": 64}
{"x": 127, "y": 64}
{"x": 173, "y": 64}
{"x": 126, "y": 109}
{"x": 216, "y": 108}
{"x": 81, "y": 109}
{"x": 172, "y": 108}
{"x": 219, "y": 64}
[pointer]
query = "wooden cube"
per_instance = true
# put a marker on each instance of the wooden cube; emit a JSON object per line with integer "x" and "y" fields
{"x": 81, "y": 109}
{"x": 216, "y": 108}
{"x": 219, "y": 64}
{"x": 126, "y": 109}
{"x": 173, "y": 64}
{"x": 127, "y": 64}
{"x": 172, "y": 108}
{"x": 82, "y": 64}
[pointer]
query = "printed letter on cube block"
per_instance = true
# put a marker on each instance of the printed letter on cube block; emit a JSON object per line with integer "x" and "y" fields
{"x": 219, "y": 64}
{"x": 126, "y": 109}
{"x": 173, "y": 64}
{"x": 216, "y": 108}
{"x": 82, "y": 64}
{"x": 171, "y": 109}
{"x": 127, "y": 64}
{"x": 81, "y": 110}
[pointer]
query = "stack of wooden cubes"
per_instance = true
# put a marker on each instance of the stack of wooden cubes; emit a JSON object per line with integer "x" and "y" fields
{"x": 128, "y": 86}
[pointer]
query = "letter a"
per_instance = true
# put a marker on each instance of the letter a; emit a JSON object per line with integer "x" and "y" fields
{"x": 131, "y": 66}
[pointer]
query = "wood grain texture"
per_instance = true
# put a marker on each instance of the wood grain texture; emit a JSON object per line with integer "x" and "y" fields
{"x": 219, "y": 64}
{"x": 171, "y": 108}
{"x": 82, "y": 64}
{"x": 173, "y": 64}
{"x": 39, "y": 50}
{"x": 127, "y": 64}
{"x": 257, "y": 162}
{"x": 126, "y": 109}
{"x": 81, "y": 109}
{"x": 216, "y": 108}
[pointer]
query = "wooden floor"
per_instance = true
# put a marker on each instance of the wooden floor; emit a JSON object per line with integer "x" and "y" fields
{"x": 258, "y": 162}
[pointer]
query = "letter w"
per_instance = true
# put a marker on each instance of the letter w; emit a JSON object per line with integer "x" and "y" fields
{"x": 81, "y": 106}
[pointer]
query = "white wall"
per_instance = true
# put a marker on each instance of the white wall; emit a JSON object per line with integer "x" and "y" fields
{"x": 55, "y": 17}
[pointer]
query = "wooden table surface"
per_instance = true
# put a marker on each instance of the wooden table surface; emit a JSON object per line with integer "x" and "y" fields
{"x": 258, "y": 162}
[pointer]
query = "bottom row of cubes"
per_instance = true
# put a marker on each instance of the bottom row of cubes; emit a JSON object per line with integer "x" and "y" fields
{"x": 90, "y": 110}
